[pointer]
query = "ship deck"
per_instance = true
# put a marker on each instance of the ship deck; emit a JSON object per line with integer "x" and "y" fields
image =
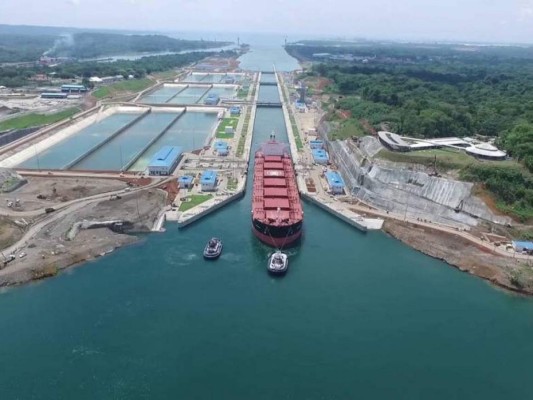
{"x": 275, "y": 194}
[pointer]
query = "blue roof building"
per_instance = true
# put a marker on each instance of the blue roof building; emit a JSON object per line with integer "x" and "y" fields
{"x": 185, "y": 181}
{"x": 165, "y": 160}
{"x": 521, "y": 246}
{"x": 316, "y": 144}
{"x": 320, "y": 156}
{"x": 335, "y": 182}
{"x": 73, "y": 88}
{"x": 235, "y": 110}
{"x": 208, "y": 180}
{"x": 221, "y": 148}
{"x": 53, "y": 95}
{"x": 212, "y": 99}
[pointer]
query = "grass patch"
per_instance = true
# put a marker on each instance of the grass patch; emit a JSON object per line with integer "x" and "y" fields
{"x": 221, "y": 130}
{"x": 31, "y": 120}
{"x": 242, "y": 139}
{"x": 292, "y": 119}
{"x": 166, "y": 75}
{"x": 132, "y": 85}
{"x": 446, "y": 159}
{"x": 348, "y": 129}
{"x": 506, "y": 186}
{"x": 232, "y": 183}
{"x": 194, "y": 200}
{"x": 243, "y": 93}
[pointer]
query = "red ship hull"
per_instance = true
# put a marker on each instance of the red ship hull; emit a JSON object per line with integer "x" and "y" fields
{"x": 277, "y": 215}
{"x": 278, "y": 243}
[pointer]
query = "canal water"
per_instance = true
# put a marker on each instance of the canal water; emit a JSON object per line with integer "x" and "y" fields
{"x": 357, "y": 316}
{"x": 69, "y": 149}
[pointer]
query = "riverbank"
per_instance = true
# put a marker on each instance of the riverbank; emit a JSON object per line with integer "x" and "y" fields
{"x": 458, "y": 245}
{"x": 68, "y": 240}
{"x": 505, "y": 272}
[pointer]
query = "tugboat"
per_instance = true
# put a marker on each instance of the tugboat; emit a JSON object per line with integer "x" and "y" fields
{"x": 278, "y": 263}
{"x": 213, "y": 249}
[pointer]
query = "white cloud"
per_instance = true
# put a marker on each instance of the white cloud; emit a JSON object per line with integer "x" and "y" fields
{"x": 74, "y": 2}
{"x": 525, "y": 10}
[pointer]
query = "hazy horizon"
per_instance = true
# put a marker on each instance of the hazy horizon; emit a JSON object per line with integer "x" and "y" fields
{"x": 479, "y": 21}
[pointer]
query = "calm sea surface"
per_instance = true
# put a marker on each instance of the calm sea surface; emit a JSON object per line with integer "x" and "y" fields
{"x": 357, "y": 316}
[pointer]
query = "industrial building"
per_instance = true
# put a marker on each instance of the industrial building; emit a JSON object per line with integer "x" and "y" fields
{"x": 335, "y": 182}
{"x": 212, "y": 99}
{"x": 165, "y": 160}
{"x": 208, "y": 181}
{"x": 320, "y": 156}
{"x": 73, "y": 88}
{"x": 185, "y": 182}
{"x": 53, "y": 95}
{"x": 316, "y": 144}
{"x": 235, "y": 110}
{"x": 522, "y": 246}
{"x": 221, "y": 148}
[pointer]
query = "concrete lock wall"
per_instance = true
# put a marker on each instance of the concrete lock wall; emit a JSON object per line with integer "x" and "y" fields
{"x": 394, "y": 187}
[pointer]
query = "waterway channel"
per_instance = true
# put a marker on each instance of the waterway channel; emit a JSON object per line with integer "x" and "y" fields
{"x": 357, "y": 316}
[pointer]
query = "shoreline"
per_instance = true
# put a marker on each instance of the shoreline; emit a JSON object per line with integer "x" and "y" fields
{"x": 480, "y": 263}
{"x": 511, "y": 273}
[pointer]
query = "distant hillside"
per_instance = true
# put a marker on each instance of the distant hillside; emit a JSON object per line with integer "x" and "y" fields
{"x": 94, "y": 44}
{"x": 20, "y": 43}
{"x": 21, "y": 48}
{"x": 33, "y": 30}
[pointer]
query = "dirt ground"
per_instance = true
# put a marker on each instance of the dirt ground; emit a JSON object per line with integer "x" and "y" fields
{"x": 50, "y": 251}
{"x": 9, "y": 232}
{"x": 502, "y": 271}
{"x": 56, "y": 190}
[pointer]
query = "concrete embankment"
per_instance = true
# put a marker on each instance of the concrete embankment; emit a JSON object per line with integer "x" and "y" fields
{"x": 210, "y": 206}
{"x": 220, "y": 200}
{"x": 320, "y": 198}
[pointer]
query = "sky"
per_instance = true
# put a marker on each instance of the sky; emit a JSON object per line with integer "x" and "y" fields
{"x": 460, "y": 20}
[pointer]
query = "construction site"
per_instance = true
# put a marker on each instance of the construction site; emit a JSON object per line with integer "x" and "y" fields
{"x": 80, "y": 188}
{"x": 425, "y": 207}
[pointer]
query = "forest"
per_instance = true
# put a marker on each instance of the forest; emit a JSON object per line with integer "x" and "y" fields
{"x": 439, "y": 91}
{"x": 27, "y": 46}
{"x": 11, "y": 76}
{"x": 95, "y": 44}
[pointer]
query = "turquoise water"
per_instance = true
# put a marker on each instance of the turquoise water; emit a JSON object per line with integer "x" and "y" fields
{"x": 66, "y": 151}
{"x": 162, "y": 95}
{"x": 190, "y": 132}
{"x": 222, "y": 92}
{"x": 269, "y": 94}
{"x": 116, "y": 154}
{"x": 268, "y": 78}
{"x": 357, "y": 316}
{"x": 191, "y": 95}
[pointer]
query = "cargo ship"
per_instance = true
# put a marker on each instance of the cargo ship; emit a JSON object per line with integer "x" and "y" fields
{"x": 277, "y": 215}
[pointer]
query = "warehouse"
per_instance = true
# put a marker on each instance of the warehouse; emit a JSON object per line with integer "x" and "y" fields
{"x": 164, "y": 161}
{"x": 209, "y": 181}
{"x": 73, "y": 88}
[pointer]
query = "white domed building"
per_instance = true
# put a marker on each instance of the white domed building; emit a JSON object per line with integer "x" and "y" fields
{"x": 486, "y": 151}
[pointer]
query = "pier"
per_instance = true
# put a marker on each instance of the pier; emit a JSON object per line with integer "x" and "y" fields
{"x": 308, "y": 172}
{"x": 234, "y": 165}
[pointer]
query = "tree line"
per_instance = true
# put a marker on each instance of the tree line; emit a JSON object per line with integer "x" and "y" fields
{"x": 19, "y": 76}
